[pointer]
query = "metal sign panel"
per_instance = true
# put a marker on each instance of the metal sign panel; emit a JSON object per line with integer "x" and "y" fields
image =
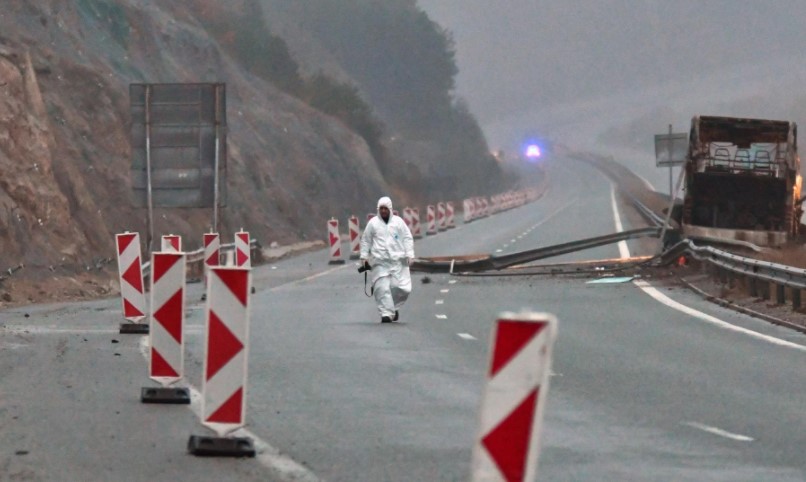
{"x": 180, "y": 131}
{"x": 670, "y": 149}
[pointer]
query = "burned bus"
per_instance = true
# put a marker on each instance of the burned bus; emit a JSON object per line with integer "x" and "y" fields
{"x": 742, "y": 181}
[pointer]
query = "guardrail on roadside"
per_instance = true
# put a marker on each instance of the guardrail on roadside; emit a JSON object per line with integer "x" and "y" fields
{"x": 197, "y": 255}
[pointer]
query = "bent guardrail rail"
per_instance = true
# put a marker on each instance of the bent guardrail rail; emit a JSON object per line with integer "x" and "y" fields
{"x": 197, "y": 255}
{"x": 448, "y": 264}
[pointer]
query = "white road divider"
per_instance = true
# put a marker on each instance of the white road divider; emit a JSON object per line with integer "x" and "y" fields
{"x": 130, "y": 270}
{"x": 166, "y": 360}
{"x": 226, "y": 355}
{"x": 508, "y": 442}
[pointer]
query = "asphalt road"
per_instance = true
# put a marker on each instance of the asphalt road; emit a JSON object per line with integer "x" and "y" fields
{"x": 640, "y": 389}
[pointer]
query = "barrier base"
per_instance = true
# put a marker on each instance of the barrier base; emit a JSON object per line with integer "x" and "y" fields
{"x": 176, "y": 396}
{"x": 220, "y": 446}
{"x": 134, "y": 328}
{"x": 336, "y": 261}
{"x": 355, "y": 256}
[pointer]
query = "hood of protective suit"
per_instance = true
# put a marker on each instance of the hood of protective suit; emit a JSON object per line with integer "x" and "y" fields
{"x": 385, "y": 201}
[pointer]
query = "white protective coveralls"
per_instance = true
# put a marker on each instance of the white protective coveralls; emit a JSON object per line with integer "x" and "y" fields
{"x": 388, "y": 246}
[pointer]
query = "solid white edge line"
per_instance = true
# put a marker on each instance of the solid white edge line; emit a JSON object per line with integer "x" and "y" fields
{"x": 623, "y": 250}
{"x": 719, "y": 431}
{"x": 658, "y": 296}
{"x": 267, "y": 454}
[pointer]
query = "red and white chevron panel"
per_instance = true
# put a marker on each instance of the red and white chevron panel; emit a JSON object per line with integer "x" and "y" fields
{"x": 431, "y": 220}
{"x": 416, "y": 230}
{"x": 166, "y": 365}
{"x": 334, "y": 240}
{"x": 212, "y": 249}
{"x": 130, "y": 270}
{"x": 171, "y": 243}
{"x": 467, "y": 210}
{"x": 441, "y": 226}
{"x": 508, "y": 443}
{"x": 449, "y": 214}
{"x": 226, "y": 351}
{"x": 243, "y": 254}
{"x": 355, "y": 237}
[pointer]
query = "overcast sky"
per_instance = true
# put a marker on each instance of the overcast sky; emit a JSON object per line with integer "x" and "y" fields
{"x": 581, "y": 70}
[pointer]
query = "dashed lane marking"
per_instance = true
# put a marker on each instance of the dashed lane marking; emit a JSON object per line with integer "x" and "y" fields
{"x": 719, "y": 431}
{"x": 467, "y": 336}
{"x": 442, "y": 317}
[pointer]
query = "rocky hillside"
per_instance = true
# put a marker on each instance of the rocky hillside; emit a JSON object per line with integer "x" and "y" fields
{"x": 65, "y": 70}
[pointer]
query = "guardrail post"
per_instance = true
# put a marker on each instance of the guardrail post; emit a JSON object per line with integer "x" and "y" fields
{"x": 780, "y": 294}
{"x": 795, "y": 298}
{"x": 766, "y": 290}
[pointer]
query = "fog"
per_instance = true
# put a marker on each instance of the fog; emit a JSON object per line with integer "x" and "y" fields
{"x": 607, "y": 75}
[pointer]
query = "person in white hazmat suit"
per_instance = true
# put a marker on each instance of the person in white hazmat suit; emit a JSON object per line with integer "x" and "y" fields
{"x": 390, "y": 245}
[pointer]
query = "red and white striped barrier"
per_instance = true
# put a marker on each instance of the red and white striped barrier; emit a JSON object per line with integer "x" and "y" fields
{"x": 441, "y": 226}
{"x": 407, "y": 217}
{"x": 478, "y": 208}
{"x": 171, "y": 243}
{"x": 243, "y": 252}
{"x": 431, "y": 220}
{"x": 212, "y": 250}
{"x": 508, "y": 443}
{"x": 355, "y": 237}
{"x": 130, "y": 271}
{"x": 370, "y": 216}
{"x": 467, "y": 210}
{"x": 416, "y": 230}
{"x": 226, "y": 350}
{"x": 449, "y": 213}
{"x": 166, "y": 365}
{"x": 334, "y": 240}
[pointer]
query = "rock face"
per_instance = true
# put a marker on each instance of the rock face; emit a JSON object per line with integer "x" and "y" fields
{"x": 65, "y": 70}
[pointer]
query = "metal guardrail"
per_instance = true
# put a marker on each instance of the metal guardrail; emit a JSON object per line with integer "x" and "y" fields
{"x": 779, "y": 274}
{"x": 197, "y": 255}
{"x": 488, "y": 263}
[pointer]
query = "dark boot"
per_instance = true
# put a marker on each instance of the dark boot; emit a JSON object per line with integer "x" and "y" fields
{"x": 386, "y": 319}
{"x": 396, "y": 316}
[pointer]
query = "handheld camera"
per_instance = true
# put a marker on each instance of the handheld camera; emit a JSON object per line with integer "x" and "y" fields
{"x": 364, "y": 267}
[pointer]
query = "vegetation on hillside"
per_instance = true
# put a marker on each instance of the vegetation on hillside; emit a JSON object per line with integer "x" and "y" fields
{"x": 403, "y": 67}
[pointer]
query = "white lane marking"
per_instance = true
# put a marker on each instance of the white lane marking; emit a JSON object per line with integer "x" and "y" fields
{"x": 439, "y": 302}
{"x": 444, "y": 290}
{"x": 512, "y": 240}
{"x": 43, "y": 330}
{"x": 453, "y": 281}
{"x": 658, "y": 296}
{"x": 442, "y": 317}
{"x": 653, "y": 292}
{"x": 267, "y": 455}
{"x": 313, "y": 276}
{"x": 719, "y": 431}
{"x": 467, "y": 336}
{"x": 623, "y": 250}
{"x": 499, "y": 250}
